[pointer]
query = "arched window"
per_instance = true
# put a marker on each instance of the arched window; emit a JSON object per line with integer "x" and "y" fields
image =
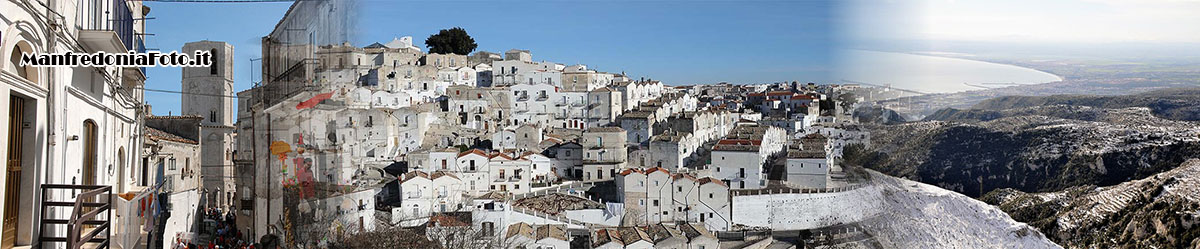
{"x": 212, "y": 69}
{"x": 121, "y": 161}
{"x": 14, "y": 63}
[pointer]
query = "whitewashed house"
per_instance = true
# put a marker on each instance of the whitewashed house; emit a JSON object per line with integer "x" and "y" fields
{"x": 423, "y": 194}
{"x": 655, "y": 195}
{"x": 603, "y": 153}
{"x": 738, "y": 159}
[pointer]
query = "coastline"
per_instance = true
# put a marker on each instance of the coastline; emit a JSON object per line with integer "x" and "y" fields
{"x": 951, "y": 55}
{"x": 936, "y": 74}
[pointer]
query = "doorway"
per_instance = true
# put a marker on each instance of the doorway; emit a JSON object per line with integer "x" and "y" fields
{"x": 12, "y": 199}
{"x": 89, "y": 152}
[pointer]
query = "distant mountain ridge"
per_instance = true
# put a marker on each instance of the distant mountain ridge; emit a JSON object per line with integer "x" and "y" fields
{"x": 1174, "y": 104}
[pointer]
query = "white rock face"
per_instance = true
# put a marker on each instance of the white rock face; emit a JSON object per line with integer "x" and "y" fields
{"x": 918, "y": 215}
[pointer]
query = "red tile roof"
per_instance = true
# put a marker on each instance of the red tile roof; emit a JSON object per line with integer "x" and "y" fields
{"x": 445, "y": 221}
{"x": 677, "y": 176}
{"x": 157, "y": 134}
{"x": 779, "y": 93}
{"x": 708, "y": 180}
{"x": 631, "y": 171}
{"x": 473, "y": 151}
{"x": 739, "y": 142}
{"x": 657, "y": 169}
{"x": 802, "y": 97}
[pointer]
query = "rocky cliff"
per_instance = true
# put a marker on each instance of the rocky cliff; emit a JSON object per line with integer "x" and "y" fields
{"x": 1159, "y": 211}
{"x": 1033, "y": 149}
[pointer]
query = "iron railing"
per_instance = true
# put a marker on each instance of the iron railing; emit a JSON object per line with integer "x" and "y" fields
{"x": 83, "y": 227}
{"x": 108, "y": 15}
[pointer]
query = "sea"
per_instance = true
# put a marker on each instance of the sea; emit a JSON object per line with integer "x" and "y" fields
{"x": 931, "y": 74}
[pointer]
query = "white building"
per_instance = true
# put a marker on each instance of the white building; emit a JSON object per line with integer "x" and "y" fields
{"x": 519, "y": 68}
{"x": 809, "y": 162}
{"x": 684, "y": 134}
{"x": 509, "y": 174}
{"x": 423, "y": 194}
{"x": 69, "y": 125}
{"x": 738, "y": 159}
{"x": 524, "y": 235}
{"x": 655, "y": 195}
{"x": 603, "y": 153}
{"x": 174, "y": 159}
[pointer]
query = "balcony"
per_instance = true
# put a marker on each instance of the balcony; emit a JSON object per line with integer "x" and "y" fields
{"x": 508, "y": 179}
{"x": 606, "y": 160}
{"x": 106, "y": 25}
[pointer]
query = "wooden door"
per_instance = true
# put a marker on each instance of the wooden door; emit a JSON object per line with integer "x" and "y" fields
{"x": 89, "y": 153}
{"x": 13, "y": 181}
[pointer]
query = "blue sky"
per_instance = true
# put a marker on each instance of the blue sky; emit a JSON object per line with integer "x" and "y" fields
{"x": 678, "y": 42}
{"x": 242, "y": 25}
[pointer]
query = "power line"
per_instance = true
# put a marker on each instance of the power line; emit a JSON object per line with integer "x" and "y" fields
{"x": 181, "y": 92}
{"x": 216, "y": 1}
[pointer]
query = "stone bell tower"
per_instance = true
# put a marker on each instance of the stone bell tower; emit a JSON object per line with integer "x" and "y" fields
{"x": 208, "y": 92}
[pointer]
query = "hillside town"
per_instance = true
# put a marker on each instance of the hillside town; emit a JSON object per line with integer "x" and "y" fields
{"x": 500, "y": 149}
{"x": 505, "y": 148}
{"x": 490, "y": 149}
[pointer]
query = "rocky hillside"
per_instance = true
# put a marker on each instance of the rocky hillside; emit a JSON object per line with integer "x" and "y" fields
{"x": 1160, "y": 211}
{"x": 1175, "y": 104}
{"x": 1033, "y": 149}
{"x": 876, "y": 115}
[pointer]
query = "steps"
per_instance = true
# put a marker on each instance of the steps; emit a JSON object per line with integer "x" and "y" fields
{"x": 87, "y": 219}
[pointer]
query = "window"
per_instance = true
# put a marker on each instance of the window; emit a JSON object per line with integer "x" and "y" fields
{"x": 171, "y": 164}
{"x": 142, "y": 181}
{"x": 212, "y": 69}
{"x": 472, "y": 165}
{"x": 710, "y": 195}
{"x": 212, "y": 116}
{"x": 655, "y": 203}
{"x": 488, "y": 229}
{"x": 680, "y": 189}
{"x": 443, "y": 164}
